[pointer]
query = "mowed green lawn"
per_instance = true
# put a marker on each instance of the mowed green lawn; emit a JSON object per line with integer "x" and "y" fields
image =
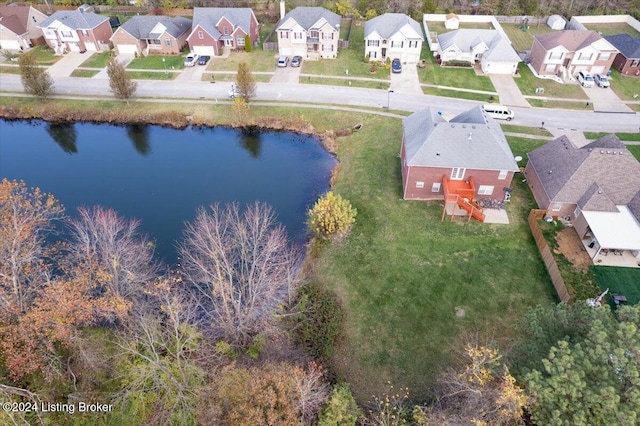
{"x": 613, "y": 29}
{"x": 619, "y": 281}
{"x": 415, "y": 289}
{"x": 626, "y": 87}
{"x": 464, "y": 78}
{"x": 523, "y": 40}
{"x": 527, "y": 82}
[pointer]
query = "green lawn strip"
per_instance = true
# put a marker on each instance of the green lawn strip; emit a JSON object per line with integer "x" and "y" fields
{"x": 258, "y": 60}
{"x": 84, "y": 73}
{"x": 463, "y": 78}
{"x": 523, "y": 40}
{"x": 522, "y": 146}
{"x": 554, "y": 104}
{"x": 344, "y": 82}
{"x": 261, "y": 78}
{"x": 151, "y": 75}
{"x": 155, "y": 62}
{"x": 635, "y": 150}
{"x": 623, "y": 136}
{"x": 9, "y": 70}
{"x": 513, "y": 128}
{"x": 438, "y": 26}
{"x": 626, "y": 87}
{"x": 622, "y": 281}
{"x": 613, "y": 29}
{"x": 97, "y": 60}
{"x": 402, "y": 272}
{"x": 44, "y": 55}
{"x": 458, "y": 94}
{"x": 527, "y": 82}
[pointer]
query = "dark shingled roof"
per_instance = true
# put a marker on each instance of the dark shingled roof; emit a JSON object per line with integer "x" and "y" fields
{"x": 307, "y": 16}
{"x": 596, "y": 200}
{"x": 627, "y": 45}
{"x": 15, "y": 18}
{"x": 572, "y": 40}
{"x": 75, "y": 19}
{"x": 208, "y": 18}
{"x": 141, "y": 26}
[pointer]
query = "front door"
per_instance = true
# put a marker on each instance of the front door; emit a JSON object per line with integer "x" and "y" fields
{"x": 384, "y": 52}
{"x": 457, "y": 173}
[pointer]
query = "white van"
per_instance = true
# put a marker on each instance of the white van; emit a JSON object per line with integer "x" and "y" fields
{"x": 498, "y": 111}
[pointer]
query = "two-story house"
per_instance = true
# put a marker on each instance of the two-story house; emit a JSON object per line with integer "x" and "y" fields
{"x": 151, "y": 34}
{"x": 393, "y": 35}
{"x": 564, "y": 53}
{"x": 310, "y": 32}
{"x": 19, "y": 26}
{"x": 76, "y": 31}
{"x": 217, "y": 28}
{"x": 628, "y": 60}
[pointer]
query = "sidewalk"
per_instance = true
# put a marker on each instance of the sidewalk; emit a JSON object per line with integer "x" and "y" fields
{"x": 508, "y": 91}
{"x": 69, "y": 62}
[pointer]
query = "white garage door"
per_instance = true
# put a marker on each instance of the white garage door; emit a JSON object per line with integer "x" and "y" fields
{"x": 597, "y": 70}
{"x": 10, "y": 44}
{"x": 127, "y": 48}
{"x": 285, "y": 51}
{"x": 507, "y": 68}
{"x": 91, "y": 47}
{"x": 203, "y": 50}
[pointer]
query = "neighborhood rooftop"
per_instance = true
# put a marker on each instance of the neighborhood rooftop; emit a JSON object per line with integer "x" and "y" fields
{"x": 141, "y": 26}
{"x": 390, "y": 23}
{"x": 208, "y": 18}
{"x": 572, "y": 40}
{"x": 308, "y": 16}
{"x": 75, "y": 19}
{"x": 466, "y": 39}
{"x": 627, "y": 45}
{"x": 14, "y": 18}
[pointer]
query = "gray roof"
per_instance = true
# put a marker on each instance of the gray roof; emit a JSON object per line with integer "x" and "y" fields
{"x": 627, "y": 45}
{"x": 571, "y": 40}
{"x": 567, "y": 173}
{"x": 471, "y": 140}
{"x": 307, "y": 16}
{"x": 75, "y": 20}
{"x": 208, "y": 17}
{"x": 388, "y": 24}
{"x": 595, "y": 199}
{"x": 500, "y": 50}
{"x": 140, "y": 26}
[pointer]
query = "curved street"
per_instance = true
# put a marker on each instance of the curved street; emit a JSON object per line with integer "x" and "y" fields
{"x": 336, "y": 95}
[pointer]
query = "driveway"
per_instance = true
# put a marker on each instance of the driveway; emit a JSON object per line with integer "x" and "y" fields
{"x": 407, "y": 81}
{"x": 288, "y": 74}
{"x": 69, "y": 62}
{"x": 508, "y": 91}
{"x": 193, "y": 73}
{"x": 123, "y": 59}
{"x": 605, "y": 100}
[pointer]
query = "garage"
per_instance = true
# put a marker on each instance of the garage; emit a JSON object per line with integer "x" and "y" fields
{"x": 10, "y": 44}
{"x": 503, "y": 68}
{"x": 130, "y": 49}
{"x": 91, "y": 47}
{"x": 203, "y": 50}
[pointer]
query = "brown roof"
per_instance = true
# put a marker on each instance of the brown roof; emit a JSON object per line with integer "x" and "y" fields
{"x": 568, "y": 173}
{"x": 15, "y": 18}
{"x": 572, "y": 40}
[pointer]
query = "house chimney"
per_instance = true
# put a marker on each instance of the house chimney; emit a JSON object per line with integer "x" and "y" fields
{"x": 282, "y": 9}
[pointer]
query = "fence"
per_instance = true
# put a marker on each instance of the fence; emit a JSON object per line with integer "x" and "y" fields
{"x": 547, "y": 256}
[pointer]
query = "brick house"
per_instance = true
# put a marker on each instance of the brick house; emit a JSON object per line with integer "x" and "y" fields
{"x": 310, "y": 32}
{"x": 470, "y": 149}
{"x": 215, "y": 28}
{"x": 155, "y": 35}
{"x": 564, "y": 53}
{"x": 76, "y": 31}
{"x": 19, "y": 27}
{"x": 628, "y": 60}
{"x": 393, "y": 35}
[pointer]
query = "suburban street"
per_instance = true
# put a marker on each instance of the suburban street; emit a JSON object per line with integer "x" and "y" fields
{"x": 341, "y": 96}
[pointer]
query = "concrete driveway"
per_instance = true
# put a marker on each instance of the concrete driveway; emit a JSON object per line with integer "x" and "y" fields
{"x": 605, "y": 100}
{"x": 69, "y": 62}
{"x": 288, "y": 74}
{"x": 508, "y": 91}
{"x": 407, "y": 81}
{"x": 193, "y": 73}
{"x": 123, "y": 59}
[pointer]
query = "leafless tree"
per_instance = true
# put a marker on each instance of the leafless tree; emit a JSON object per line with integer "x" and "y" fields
{"x": 102, "y": 239}
{"x": 241, "y": 265}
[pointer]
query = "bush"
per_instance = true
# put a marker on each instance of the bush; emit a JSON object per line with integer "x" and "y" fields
{"x": 247, "y": 43}
{"x": 331, "y": 215}
{"x": 340, "y": 409}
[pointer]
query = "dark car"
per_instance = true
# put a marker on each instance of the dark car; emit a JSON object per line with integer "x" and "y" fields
{"x": 202, "y": 60}
{"x": 296, "y": 61}
{"x": 396, "y": 65}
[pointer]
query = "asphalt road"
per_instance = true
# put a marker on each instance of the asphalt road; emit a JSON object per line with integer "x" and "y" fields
{"x": 347, "y": 96}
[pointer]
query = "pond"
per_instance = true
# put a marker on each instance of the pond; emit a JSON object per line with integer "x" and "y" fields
{"x": 161, "y": 175}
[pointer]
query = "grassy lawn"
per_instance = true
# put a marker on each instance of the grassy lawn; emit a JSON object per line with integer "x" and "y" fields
{"x": 9, "y": 70}
{"x": 525, "y": 129}
{"x": 84, "y": 73}
{"x": 630, "y": 137}
{"x": 402, "y": 274}
{"x": 522, "y": 40}
{"x": 522, "y": 146}
{"x": 538, "y": 103}
{"x": 154, "y": 62}
{"x": 439, "y": 26}
{"x": 260, "y": 78}
{"x": 258, "y": 60}
{"x": 152, "y": 75}
{"x": 464, "y": 78}
{"x": 613, "y": 29}
{"x": 97, "y": 60}
{"x": 342, "y": 82}
{"x": 527, "y": 82}
{"x": 619, "y": 281}
{"x": 458, "y": 94}
{"x": 44, "y": 55}
{"x": 635, "y": 150}
{"x": 624, "y": 86}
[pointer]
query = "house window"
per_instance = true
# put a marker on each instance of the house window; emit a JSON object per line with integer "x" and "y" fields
{"x": 557, "y": 207}
{"x": 167, "y": 42}
{"x": 457, "y": 173}
{"x": 397, "y": 44}
{"x": 200, "y": 35}
{"x": 327, "y": 47}
{"x": 314, "y": 34}
{"x": 85, "y": 33}
{"x": 419, "y": 185}
{"x": 585, "y": 56}
{"x": 635, "y": 62}
{"x": 373, "y": 43}
{"x": 550, "y": 68}
{"x": 435, "y": 187}
{"x": 503, "y": 174}
{"x": 485, "y": 190}
{"x": 284, "y": 34}
{"x": 604, "y": 56}
{"x": 226, "y": 31}
{"x": 66, "y": 34}
{"x": 373, "y": 55}
{"x": 577, "y": 212}
{"x": 327, "y": 36}
{"x": 297, "y": 36}
{"x": 555, "y": 55}
{"x": 240, "y": 41}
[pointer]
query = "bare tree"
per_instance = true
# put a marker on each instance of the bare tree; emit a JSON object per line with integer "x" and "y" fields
{"x": 242, "y": 266}
{"x": 35, "y": 79}
{"x": 119, "y": 81}
{"x": 102, "y": 239}
{"x": 245, "y": 82}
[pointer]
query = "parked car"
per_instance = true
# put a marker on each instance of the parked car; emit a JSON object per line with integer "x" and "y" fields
{"x": 202, "y": 60}
{"x": 191, "y": 60}
{"x": 602, "y": 80}
{"x": 585, "y": 79}
{"x": 396, "y": 65}
{"x": 498, "y": 111}
{"x": 296, "y": 61}
{"x": 283, "y": 61}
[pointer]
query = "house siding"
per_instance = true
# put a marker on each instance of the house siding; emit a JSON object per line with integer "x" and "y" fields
{"x": 622, "y": 64}
{"x": 542, "y": 199}
{"x": 207, "y": 40}
{"x": 100, "y": 35}
{"x": 121, "y": 37}
{"x": 571, "y": 60}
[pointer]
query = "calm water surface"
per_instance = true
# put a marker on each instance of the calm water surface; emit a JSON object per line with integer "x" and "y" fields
{"x": 161, "y": 176}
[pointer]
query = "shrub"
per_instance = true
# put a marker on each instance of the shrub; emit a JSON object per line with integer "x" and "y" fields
{"x": 331, "y": 215}
{"x": 247, "y": 43}
{"x": 340, "y": 409}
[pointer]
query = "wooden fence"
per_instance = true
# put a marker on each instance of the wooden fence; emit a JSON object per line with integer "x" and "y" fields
{"x": 547, "y": 256}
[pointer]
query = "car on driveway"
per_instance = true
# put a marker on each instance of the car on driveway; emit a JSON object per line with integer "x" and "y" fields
{"x": 283, "y": 61}
{"x": 602, "y": 81}
{"x": 396, "y": 66}
{"x": 202, "y": 60}
{"x": 296, "y": 61}
{"x": 191, "y": 60}
{"x": 585, "y": 79}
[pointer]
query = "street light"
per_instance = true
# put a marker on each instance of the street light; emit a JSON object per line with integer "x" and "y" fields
{"x": 389, "y": 92}
{"x": 166, "y": 73}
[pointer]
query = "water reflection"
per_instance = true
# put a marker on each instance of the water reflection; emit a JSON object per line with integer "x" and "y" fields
{"x": 139, "y": 135}
{"x": 251, "y": 141}
{"x": 65, "y": 135}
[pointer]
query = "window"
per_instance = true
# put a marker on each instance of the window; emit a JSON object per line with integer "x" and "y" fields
{"x": 200, "y": 35}
{"x": 585, "y": 56}
{"x": 457, "y": 173}
{"x": 297, "y": 36}
{"x": 604, "y": 56}
{"x": 485, "y": 190}
{"x": 373, "y": 55}
{"x": 420, "y": 185}
{"x": 435, "y": 187}
{"x": 373, "y": 43}
{"x": 240, "y": 41}
{"x": 67, "y": 34}
{"x": 327, "y": 36}
{"x": 556, "y": 207}
{"x": 577, "y": 212}
{"x": 503, "y": 174}
{"x": 555, "y": 55}
{"x": 284, "y": 34}
{"x": 327, "y": 47}
{"x": 85, "y": 33}
{"x": 550, "y": 68}
{"x": 635, "y": 62}
{"x": 314, "y": 34}
{"x": 167, "y": 42}
{"x": 226, "y": 31}
{"x": 397, "y": 44}
{"x": 413, "y": 43}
